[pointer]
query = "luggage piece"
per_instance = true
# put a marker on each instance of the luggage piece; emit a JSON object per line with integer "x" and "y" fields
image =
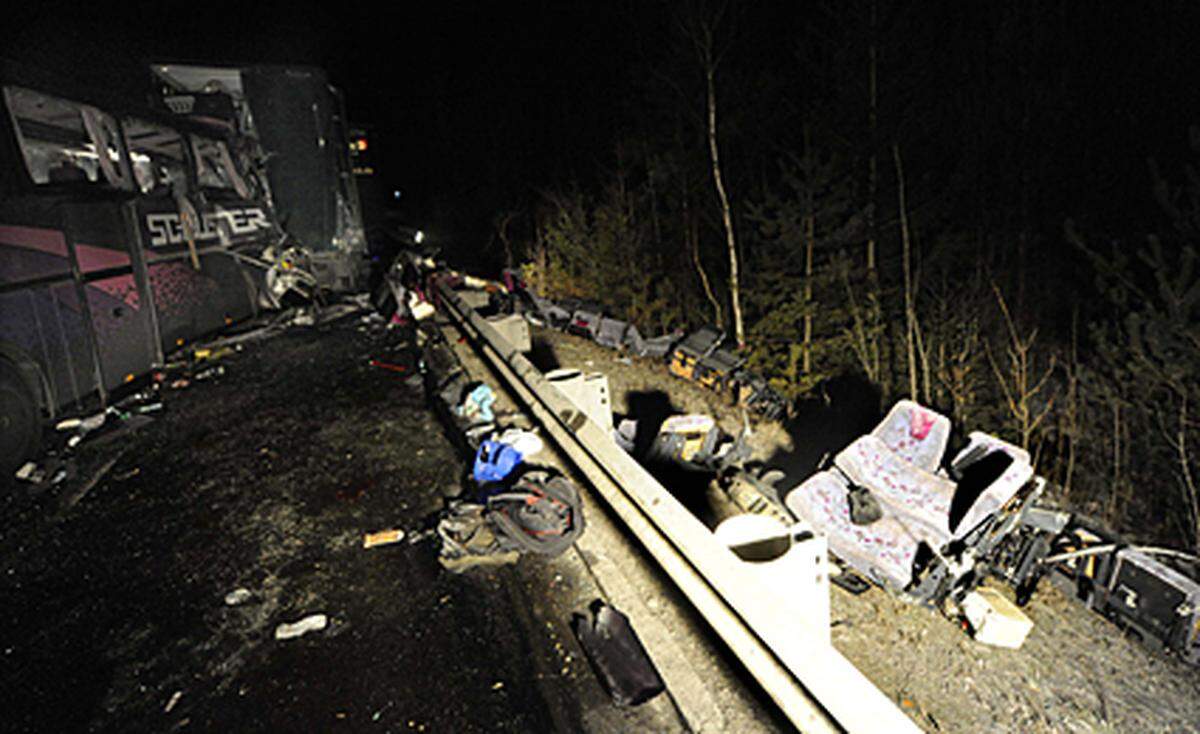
{"x": 495, "y": 461}
{"x": 611, "y": 333}
{"x": 616, "y": 654}
{"x": 656, "y": 347}
{"x": 540, "y": 513}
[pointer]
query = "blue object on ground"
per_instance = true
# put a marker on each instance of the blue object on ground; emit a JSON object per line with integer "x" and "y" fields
{"x": 495, "y": 461}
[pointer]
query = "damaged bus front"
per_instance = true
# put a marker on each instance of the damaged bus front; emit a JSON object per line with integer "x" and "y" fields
{"x": 294, "y": 124}
{"x": 123, "y": 233}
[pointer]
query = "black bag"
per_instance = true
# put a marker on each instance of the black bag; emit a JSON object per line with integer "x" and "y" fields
{"x": 616, "y": 654}
{"x": 540, "y": 513}
{"x": 864, "y": 508}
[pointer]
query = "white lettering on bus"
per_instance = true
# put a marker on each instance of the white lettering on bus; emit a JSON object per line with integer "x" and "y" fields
{"x": 167, "y": 229}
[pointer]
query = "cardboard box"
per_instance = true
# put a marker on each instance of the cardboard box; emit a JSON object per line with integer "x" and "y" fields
{"x": 995, "y": 620}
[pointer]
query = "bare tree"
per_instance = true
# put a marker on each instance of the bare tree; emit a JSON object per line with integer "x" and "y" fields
{"x": 691, "y": 235}
{"x": 873, "y": 126}
{"x": 865, "y": 325}
{"x": 1021, "y": 380}
{"x": 701, "y": 29}
{"x": 501, "y": 222}
{"x": 910, "y": 306}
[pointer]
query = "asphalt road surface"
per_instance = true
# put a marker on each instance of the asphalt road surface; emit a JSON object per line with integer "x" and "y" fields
{"x": 266, "y": 479}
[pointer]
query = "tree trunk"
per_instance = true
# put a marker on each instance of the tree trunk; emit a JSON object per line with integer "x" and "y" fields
{"x": 873, "y": 169}
{"x": 810, "y": 236}
{"x": 809, "y": 244}
{"x": 723, "y": 197}
{"x": 692, "y": 241}
{"x": 910, "y": 310}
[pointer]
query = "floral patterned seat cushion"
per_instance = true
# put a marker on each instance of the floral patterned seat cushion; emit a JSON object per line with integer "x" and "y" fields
{"x": 906, "y": 490}
{"x": 916, "y": 433}
{"x": 883, "y": 550}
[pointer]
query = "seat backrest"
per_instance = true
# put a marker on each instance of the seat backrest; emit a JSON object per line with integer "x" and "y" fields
{"x": 1002, "y": 489}
{"x": 980, "y": 443}
{"x": 905, "y": 489}
{"x": 915, "y": 433}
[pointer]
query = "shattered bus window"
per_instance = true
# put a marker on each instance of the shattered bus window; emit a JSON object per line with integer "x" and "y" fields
{"x": 211, "y": 170}
{"x": 157, "y": 156}
{"x": 66, "y": 142}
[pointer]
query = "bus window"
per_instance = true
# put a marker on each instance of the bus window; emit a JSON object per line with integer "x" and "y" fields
{"x": 157, "y": 156}
{"x": 215, "y": 168}
{"x": 66, "y": 142}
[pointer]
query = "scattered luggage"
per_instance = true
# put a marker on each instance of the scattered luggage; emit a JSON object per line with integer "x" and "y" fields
{"x": 618, "y": 657}
{"x": 541, "y": 512}
{"x": 696, "y": 346}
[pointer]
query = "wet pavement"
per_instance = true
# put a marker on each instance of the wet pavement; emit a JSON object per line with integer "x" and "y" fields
{"x": 267, "y": 478}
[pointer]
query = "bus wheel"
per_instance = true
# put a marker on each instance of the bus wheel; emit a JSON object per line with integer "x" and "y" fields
{"x": 20, "y": 424}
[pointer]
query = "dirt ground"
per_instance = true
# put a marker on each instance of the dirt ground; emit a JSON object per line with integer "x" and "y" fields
{"x": 1075, "y": 673}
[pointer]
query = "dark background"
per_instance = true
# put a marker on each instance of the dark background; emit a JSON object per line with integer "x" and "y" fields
{"x": 468, "y": 102}
{"x": 474, "y": 105}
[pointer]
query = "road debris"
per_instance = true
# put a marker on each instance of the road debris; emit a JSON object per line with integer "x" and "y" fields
{"x": 388, "y": 366}
{"x": 77, "y": 496}
{"x": 994, "y": 620}
{"x": 311, "y": 623}
{"x": 383, "y": 537}
{"x": 238, "y": 596}
{"x": 174, "y": 700}
{"x": 527, "y": 443}
{"x": 209, "y": 373}
{"x": 31, "y": 472}
{"x": 494, "y": 462}
{"x": 478, "y": 404}
{"x": 617, "y": 656}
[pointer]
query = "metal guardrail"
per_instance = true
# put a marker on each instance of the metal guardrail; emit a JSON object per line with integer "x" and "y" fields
{"x": 816, "y": 688}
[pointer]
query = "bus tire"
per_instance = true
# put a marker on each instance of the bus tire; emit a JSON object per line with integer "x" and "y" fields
{"x": 20, "y": 421}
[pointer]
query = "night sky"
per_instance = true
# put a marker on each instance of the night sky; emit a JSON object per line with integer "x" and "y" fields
{"x": 475, "y": 106}
{"x": 465, "y": 99}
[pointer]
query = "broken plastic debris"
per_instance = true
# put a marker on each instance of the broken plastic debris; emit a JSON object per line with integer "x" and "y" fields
{"x": 383, "y": 537}
{"x": 92, "y": 422}
{"x": 311, "y": 623}
{"x": 525, "y": 442}
{"x": 422, "y": 310}
{"x": 210, "y": 373}
{"x": 238, "y": 596}
{"x": 26, "y": 472}
{"x": 388, "y": 366}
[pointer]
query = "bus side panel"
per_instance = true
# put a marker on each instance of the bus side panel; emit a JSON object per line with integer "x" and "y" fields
{"x": 193, "y": 302}
{"x": 40, "y": 311}
{"x": 190, "y": 302}
{"x": 124, "y": 334}
{"x": 47, "y": 324}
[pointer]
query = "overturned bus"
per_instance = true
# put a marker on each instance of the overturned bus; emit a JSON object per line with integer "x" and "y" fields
{"x": 123, "y": 233}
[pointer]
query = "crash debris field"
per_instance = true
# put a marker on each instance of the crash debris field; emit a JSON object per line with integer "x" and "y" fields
{"x": 267, "y": 478}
